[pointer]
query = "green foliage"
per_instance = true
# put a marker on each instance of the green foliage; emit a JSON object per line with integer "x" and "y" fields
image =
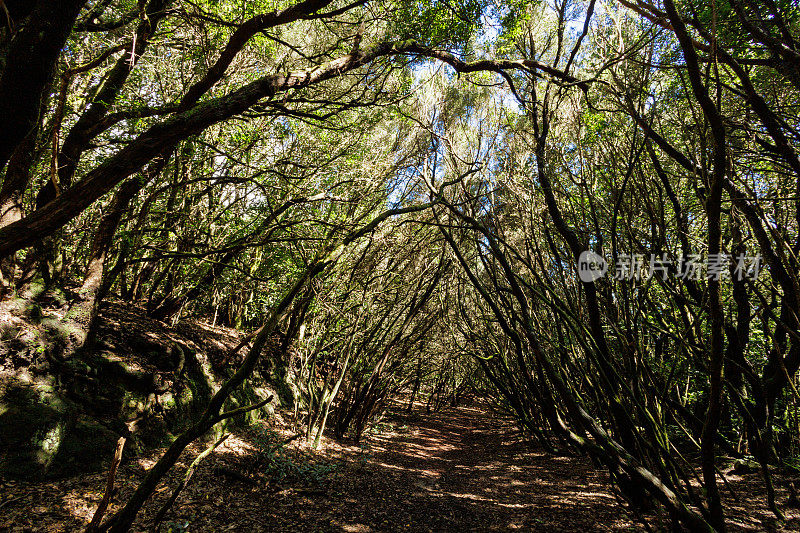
{"x": 176, "y": 526}
{"x": 515, "y": 20}
{"x": 596, "y": 124}
{"x": 438, "y": 23}
{"x": 284, "y": 465}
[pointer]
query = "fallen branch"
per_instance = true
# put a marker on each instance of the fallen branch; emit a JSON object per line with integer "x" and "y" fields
{"x": 112, "y": 473}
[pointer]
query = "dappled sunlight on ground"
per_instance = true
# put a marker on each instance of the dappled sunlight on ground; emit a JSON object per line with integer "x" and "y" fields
{"x": 459, "y": 470}
{"x": 463, "y": 469}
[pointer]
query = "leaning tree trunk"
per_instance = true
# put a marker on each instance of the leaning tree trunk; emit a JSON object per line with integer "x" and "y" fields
{"x": 18, "y": 174}
{"x": 86, "y": 128}
{"x": 84, "y": 309}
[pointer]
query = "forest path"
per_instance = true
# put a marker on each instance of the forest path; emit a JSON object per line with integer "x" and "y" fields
{"x": 457, "y": 470}
{"x": 451, "y": 471}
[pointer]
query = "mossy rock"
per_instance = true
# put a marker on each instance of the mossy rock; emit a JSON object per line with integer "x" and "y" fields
{"x": 745, "y": 465}
{"x": 120, "y": 374}
{"x": 281, "y": 379}
{"x": 43, "y": 435}
{"x": 87, "y": 447}
{"x": 152, "y": 432}
{"x": 250, "y": 395}
{"x": 31, "y": 437}
{"x": 48, "y": 430}
{"x": 190, "y": 398}
{"x": 59, "y": 331}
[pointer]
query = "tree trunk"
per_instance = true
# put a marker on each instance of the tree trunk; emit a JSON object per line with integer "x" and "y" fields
{"x": 26, "y": 68}
{"x": 84, "y": 309}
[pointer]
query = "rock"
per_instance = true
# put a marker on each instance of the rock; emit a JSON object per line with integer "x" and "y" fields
{"x": 87, "y": 447}
{"x": 61, "y": 414}
{"x": 33, "y": 426}
{"x": 745, "y": 466}
{"x": 43, "y": 435}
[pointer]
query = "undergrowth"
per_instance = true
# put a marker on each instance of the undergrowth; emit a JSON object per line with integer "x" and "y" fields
{"x": 286, "y": 465}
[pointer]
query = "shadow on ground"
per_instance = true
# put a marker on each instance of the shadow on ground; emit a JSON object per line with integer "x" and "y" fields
{"x": 452, "y": 471}
{"x": 461, "y": 470}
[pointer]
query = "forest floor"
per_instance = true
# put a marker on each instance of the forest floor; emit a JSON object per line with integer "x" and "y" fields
{"x": 457, "y": 470}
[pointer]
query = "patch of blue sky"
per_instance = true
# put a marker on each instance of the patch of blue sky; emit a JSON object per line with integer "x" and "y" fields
{"x": 422, "y": 72}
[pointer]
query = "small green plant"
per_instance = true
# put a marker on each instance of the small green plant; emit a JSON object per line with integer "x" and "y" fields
{"x": 792, "y": 464}
{"x": 286, "y": 466}
{"x": 177, "y": 526}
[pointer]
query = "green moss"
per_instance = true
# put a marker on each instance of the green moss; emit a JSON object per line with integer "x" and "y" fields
{"x": 35, "y": 312}
{"x": 58, "y": 330}
{"x": 32, "y": 436}
{"x": 87, "y": 447}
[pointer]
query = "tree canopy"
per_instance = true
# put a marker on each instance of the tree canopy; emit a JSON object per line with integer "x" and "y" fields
{"x": 395, "y": 198}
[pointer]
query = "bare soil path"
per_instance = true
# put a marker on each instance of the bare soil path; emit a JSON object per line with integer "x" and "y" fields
{"x": 461, "y": 470}
{"x": 453, "y": 471}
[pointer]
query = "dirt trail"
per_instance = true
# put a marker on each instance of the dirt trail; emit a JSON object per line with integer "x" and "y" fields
{"x": 452, "y": 471}
{"x": 459, "y": 470}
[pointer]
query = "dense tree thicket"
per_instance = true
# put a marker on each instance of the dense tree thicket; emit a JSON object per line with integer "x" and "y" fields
{"x": 398, "y": 193}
